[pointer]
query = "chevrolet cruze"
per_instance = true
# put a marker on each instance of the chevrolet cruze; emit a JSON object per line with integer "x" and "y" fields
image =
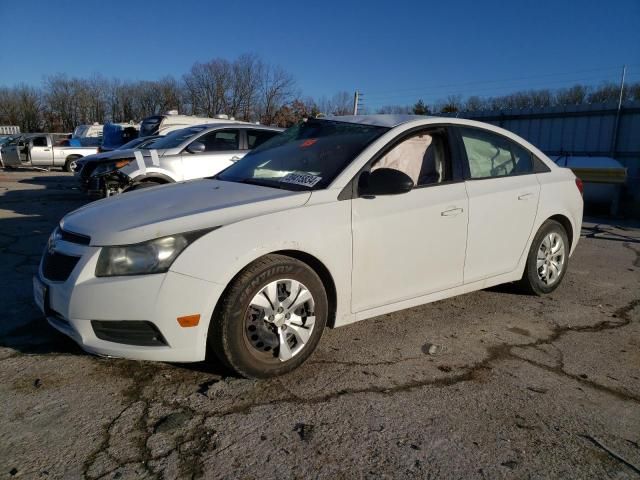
{"x": 334, "y": 221}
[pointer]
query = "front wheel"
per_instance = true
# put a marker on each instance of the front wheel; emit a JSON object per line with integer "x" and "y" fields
{"x": 142, "y": 185}
{"x": 270, "y": 319}
{"x": 548, "y": 259}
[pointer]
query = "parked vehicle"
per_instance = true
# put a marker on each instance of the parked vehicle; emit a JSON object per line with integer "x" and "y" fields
{"x": 334, "y": 221}
{"x": 85, "y": 166}
{"x": 194, "y": 152}
{"x": 93, "y": 130}
{"x": 171, "y": 121}
{"x": 117, "y": 134}
{"x": 47, "y": 150}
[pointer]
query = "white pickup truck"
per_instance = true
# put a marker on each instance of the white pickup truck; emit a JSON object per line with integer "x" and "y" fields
{"x": 47, "y": 150}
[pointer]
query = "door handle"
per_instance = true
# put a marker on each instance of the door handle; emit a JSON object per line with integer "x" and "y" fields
{"x": 525, "y": 196}
{"x": 235, "y": 158}
{"x": 46, "y": 149}
{"x": 452, "y": 212}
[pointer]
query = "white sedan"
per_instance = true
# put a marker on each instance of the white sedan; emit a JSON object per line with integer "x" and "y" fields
{"x": 334, "y": 221}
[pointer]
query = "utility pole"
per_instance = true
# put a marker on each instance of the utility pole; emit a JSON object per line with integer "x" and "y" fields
{"x": 356, "y": 99}
{"x": 614, "y": 138}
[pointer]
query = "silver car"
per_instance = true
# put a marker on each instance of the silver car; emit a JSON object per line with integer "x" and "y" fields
{"x": 194, "y": 152}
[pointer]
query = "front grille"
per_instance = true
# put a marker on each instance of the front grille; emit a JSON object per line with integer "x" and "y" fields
{"x": 74, "y": 237}
{"x": 129, "y": 332}
{"x": 57, "y": 267}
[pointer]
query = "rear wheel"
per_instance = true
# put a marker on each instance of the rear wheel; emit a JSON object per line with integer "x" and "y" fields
{"x": 548, "y": 259}
{"x": 270, "y": 319}
{"x": 70, "y": 164}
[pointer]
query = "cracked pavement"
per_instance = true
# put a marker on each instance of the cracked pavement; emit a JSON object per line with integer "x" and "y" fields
{"x": 492, "y": 384}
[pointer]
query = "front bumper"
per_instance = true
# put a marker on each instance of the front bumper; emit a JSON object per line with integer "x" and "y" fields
{"x": 159, "y": 299}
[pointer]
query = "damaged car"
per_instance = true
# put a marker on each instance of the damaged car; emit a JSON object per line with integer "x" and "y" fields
{"x": 334, "y": 221}
{"x": 86, "y": 166}
{"x": 194, "y": 152}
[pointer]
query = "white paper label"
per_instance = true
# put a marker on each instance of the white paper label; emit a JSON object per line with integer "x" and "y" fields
{"x": 304, "y": 179}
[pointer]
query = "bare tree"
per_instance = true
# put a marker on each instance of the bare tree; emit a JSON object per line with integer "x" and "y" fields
{"x": 474, "y": 104}
{"x": 207, "y": 87}
{"x": 245, "y": 83}
{"x": 605, "y": 93}
{"x": 276, "y": 89}
{"x": 395, "y": 109}
{"x": 575, "y": 95}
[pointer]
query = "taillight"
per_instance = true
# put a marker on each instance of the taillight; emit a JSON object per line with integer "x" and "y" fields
{"x": 580, "y": 186}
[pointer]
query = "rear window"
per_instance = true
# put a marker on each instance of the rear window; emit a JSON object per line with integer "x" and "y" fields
{"x": 255, "y": 138}
{"x": 491, "y": 155}
{"x": 177, "y": 137}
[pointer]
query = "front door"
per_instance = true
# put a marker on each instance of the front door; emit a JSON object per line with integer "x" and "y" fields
{"x": 222, "y": 148}
{"x": 40, "y": 152}
{"x": 410, "y": 244}
{"x": 503, "y": 201}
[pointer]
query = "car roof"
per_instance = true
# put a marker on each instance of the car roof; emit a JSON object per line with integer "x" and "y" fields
{"x": 214, "y": 126}
{"x": 381, "y": 120}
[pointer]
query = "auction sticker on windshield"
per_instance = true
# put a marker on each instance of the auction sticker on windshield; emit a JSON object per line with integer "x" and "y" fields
{"x": 304, "y": 179}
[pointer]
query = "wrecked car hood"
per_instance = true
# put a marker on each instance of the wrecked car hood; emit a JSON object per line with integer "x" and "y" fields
{"x": 177, "y": 208}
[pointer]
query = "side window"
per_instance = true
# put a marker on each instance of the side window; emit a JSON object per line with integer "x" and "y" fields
{"x": 220, "y": 141}
{"x": 424, "y": 157}
{"x": 258, "y": 137}
{"x": 40, "y": 142}
{"x": 492, "y": 155}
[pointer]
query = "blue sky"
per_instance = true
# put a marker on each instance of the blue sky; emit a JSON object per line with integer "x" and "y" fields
{"x": 395, "y": 52}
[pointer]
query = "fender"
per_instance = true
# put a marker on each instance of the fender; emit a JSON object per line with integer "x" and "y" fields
{"x": 151, "y": 176}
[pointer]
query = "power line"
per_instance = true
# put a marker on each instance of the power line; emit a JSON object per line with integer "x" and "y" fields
{"x": 516, "y": 84}
{"x": 528, "y": 77}
{"x": 487, "y": 90}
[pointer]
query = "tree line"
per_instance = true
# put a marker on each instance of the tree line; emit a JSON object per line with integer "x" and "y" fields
{"x": 575, "y": 95}
{"x": 246, "y": 88}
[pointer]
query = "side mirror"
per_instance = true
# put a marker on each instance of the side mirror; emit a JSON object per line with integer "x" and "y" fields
{"x": 384, "y": 181}
{"x": 196, "y": 147}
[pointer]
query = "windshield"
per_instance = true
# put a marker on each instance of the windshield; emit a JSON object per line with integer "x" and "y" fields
{"x": 7, "y": 140}
{"x": 306, "y": 156}
{"x": 150, "y": 125}
{"x": 80, "y": 131}
{"x": 176, "y": 138}
{"x": 135, "y": 143}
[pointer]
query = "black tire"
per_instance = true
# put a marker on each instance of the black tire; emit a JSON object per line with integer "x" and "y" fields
{"x": 141, "y": 185}
{"x": 531, "y": 282}
{"x": 228, "y": 332}
{"x": 69, "y": 161}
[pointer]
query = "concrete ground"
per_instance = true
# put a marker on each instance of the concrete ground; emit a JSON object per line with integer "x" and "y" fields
{"x": 492, "y": 384}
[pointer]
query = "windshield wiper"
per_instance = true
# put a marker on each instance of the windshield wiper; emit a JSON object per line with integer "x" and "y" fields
{"x": 252, "y": 181}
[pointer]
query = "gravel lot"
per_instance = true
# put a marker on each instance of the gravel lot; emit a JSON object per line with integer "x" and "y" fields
{"x": 514, "y": 386}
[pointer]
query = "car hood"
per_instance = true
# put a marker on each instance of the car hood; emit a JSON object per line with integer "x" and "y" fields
{"x": 107, "y": 156}
{"x": 177, "y": 208}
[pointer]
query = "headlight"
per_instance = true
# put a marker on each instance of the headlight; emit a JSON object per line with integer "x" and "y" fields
{"x": 154, "y": 256}
{"x": 103, "y": 168}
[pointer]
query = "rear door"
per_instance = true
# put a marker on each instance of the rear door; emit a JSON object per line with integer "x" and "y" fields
{"x": 503, "y": 200}
{"x": 222, "y": 148}
{"x": 41, "y": 152}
